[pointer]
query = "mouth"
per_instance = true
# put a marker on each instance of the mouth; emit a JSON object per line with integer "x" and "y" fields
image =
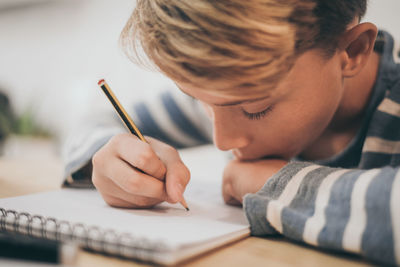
{"x": 238, "y": 154}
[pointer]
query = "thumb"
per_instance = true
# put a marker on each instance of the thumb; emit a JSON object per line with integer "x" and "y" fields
{"x": 177, "y": 178}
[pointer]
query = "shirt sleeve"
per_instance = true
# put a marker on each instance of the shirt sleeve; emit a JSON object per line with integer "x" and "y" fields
{"x": 173, "y": 118}
{"x": 351, "y": 210}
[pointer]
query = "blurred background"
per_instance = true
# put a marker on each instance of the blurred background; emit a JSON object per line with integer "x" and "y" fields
{"x": 53, "y": 52}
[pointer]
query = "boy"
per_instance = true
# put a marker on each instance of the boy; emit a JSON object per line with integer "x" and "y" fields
{"x": 302, "y": 94}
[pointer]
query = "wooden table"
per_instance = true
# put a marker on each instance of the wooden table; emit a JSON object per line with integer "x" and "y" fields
{"x": 33, "y": 165}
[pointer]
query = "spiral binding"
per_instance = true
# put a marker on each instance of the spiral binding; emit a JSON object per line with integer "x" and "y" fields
{"x": 93, "y": 238}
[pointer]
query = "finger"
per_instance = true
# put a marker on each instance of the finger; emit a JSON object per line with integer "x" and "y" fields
{"x": 116, "y": 202}
{"x": 176, "y": 180}
{"x": 227, "y": 193}
{"x": 233, "y": 202}
{"x": 177, "y": 175}
{"x": 133, "y": 181}
{"x": 117, "y": 197}
{"x": 121, "y": 203}
{"x": 139, "y": 154}
{"x": 137, "y": 202}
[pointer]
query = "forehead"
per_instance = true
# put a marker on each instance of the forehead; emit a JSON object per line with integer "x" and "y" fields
{"x": 307, "y": 67}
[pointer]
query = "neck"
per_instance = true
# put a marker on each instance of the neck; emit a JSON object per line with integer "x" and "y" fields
{"x": 348, "y": 118}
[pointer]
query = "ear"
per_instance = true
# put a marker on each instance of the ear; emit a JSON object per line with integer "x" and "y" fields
{"x": 356, "y": 46}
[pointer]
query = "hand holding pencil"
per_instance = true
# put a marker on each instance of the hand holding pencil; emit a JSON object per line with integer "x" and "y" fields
{"x": 133, "y": 172}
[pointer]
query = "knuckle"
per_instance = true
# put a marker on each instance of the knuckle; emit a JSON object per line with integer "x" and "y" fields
{"x": 145, "y": 157}
{"x": 132, "y": 185}
{"x": 169, "y": 150}
{"x": 95, "y": 181}
{"x": 114, "y": 141}
{"x": 118, "y": 139}
{"x": 160, "y": 171}
{"x": 165, "y": 149}
{"x": 119, "y": 142}
{"x": 97, "y": 159}
{"x": 100, "y": 182}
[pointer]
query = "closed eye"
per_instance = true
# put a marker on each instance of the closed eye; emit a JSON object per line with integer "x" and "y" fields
{"x": 257, "y": 115}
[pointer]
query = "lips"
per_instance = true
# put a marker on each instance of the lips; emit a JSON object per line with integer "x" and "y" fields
{"x": 242, "y": 156}
{"x": 237, "y": 154}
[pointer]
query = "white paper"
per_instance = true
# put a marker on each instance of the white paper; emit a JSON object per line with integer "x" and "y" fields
{"x": 209, "y": 217}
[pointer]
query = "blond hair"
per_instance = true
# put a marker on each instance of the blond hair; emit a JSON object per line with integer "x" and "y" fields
{"x": 236, "y": 47}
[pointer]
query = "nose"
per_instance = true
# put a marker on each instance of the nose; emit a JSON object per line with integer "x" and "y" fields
{"x": 228, "y": 133}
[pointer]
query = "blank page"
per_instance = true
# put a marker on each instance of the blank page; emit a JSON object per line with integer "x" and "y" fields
{"x": 209, "y": 223}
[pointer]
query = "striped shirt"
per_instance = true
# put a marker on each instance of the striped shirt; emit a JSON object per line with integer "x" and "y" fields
{"x": 350, "y": 202}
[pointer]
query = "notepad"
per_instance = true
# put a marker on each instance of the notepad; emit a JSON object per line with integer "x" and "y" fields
{"x": 166, "y": 234}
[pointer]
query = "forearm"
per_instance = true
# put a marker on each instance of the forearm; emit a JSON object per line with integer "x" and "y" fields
{"x": 83, "y": 143}
{"x": 342, "y": 209}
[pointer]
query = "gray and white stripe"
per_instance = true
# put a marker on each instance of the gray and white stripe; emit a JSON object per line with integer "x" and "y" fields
{"x": 160, "y": 115}
{"x": 380, "y": 145}
{"x": 390, "y": 107}
{"x": 275, "y": 207}
{"x": 315, "y": 223}
{"x": 352, "y": 236}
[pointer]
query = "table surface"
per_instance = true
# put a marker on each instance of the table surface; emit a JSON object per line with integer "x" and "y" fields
{"x": 33, "y": 165}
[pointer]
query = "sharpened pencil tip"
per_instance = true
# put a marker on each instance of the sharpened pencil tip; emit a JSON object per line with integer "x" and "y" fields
{"x": 184, "y": 204}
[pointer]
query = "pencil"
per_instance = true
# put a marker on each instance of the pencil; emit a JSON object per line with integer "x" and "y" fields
{"x": 126, "y": 119}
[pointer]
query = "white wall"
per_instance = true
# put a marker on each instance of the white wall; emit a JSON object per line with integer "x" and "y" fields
{"x": 52, "y": 54}
{"x": 385, "y": 14}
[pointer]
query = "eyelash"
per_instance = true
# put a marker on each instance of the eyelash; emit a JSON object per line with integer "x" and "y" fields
{"x": 257, "y": 115}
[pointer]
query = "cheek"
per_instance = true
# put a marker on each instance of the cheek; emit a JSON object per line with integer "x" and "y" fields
{"x": 299, "y": 124}
{"x": 312, "y": 117}
{"x": 319, "y": 96}
{"x": 302, "y": 115}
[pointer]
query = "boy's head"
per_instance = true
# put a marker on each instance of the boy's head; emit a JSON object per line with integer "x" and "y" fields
{"x": 278, "y": 78}
{"x": 236, "y": 47}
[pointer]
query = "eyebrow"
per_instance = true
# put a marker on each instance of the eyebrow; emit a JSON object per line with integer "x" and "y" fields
{"x": 233, "y": 103}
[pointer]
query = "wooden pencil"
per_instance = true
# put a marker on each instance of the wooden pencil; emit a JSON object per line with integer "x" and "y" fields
{"x": 126, "y": 119}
